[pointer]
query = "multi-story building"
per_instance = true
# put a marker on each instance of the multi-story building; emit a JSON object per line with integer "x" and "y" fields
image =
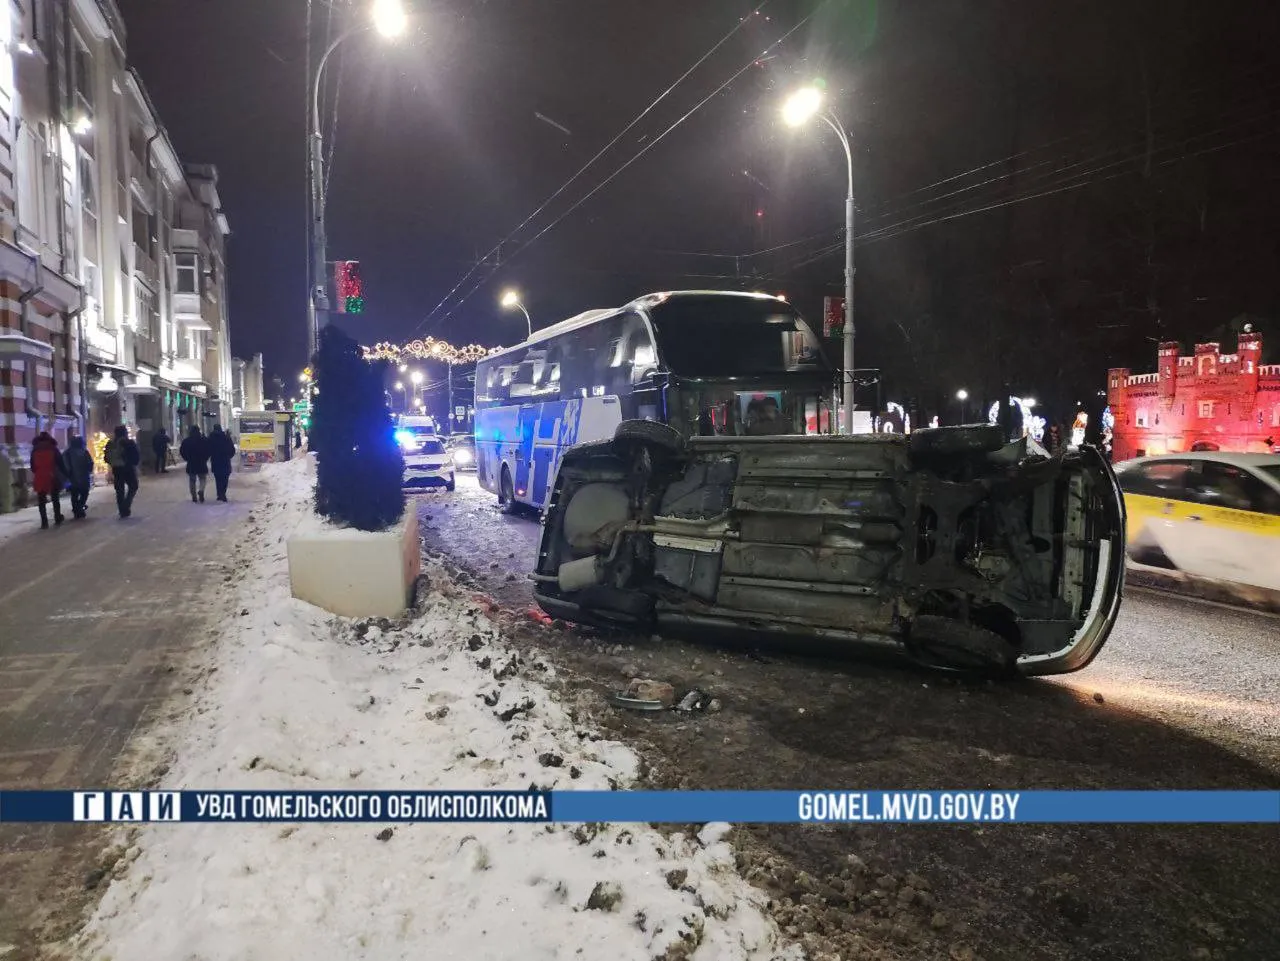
{"x": 113, "y": 301}
{"x": 1207, "y": 400}
{"x": 246, "y": 381}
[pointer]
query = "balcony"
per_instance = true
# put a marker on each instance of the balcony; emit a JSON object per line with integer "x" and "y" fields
{"x": 187, "y": 312}
{"x": 188, "y": 371}
{"x": 144, "y": 264}
{"x": 145, "y": 350}
{"x": 138, "y": 171}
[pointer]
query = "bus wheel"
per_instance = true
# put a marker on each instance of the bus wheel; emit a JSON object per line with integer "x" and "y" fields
{"x": 506, "y": 491}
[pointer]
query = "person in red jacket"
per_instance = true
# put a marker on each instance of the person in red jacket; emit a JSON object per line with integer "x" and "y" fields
{"x": 48, "y": 476}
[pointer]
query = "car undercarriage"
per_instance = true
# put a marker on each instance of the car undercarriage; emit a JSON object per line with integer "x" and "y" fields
{"x": 958, "y": 549}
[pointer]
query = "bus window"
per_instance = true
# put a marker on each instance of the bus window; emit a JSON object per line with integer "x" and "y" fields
{"x": 714, "y": 336}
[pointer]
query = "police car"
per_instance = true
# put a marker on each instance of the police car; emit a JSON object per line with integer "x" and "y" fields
{"x": 1211, "y": 516}
{"x": 426, "y": 462}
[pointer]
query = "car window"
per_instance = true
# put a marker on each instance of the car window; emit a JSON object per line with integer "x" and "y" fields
{"x": 1224, "y": 485}
{"x": 432, "y": 447}
{"x": 1165, "y": 478}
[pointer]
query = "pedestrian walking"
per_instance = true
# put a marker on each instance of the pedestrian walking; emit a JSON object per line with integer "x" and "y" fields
{"x": 160, "y": 443}
{"x": 195, "y": 451}
{"x": 221, "y": 452}
{"x": 79, "y": 462}
{"x": 123, "y": 457}
{"x": 48, "y": 477}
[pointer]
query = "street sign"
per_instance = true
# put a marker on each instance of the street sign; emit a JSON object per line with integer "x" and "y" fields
{"x": 301, "y": 407}
{"x": 832, "y": 316}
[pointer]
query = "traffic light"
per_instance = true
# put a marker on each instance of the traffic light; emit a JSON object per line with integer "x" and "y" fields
{"x": 349, "y": 286}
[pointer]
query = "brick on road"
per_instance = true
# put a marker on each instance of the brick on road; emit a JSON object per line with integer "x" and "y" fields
{"x": 95, "y": 618}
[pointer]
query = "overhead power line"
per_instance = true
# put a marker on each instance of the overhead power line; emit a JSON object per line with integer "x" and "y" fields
{"x": 647, "y": 147}
{"x": 600, "y": 153}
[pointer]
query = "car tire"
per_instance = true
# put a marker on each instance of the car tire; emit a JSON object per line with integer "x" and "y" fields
{"x": 451, "y": 483}
{"x": 944, "y": 644}
{"x": 506, "y": 491}
{"x": 652, "y": 434}
{"x": 941, "y": 441}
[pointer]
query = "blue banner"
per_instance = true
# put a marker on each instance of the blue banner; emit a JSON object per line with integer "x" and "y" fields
{"x": 670, "y": 807}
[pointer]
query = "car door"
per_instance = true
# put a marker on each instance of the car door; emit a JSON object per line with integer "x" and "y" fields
{"x": 1158, "y": 501}
{"x": 1235, "y": 526}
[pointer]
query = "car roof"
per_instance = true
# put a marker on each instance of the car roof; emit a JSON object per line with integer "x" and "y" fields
{"x": 1234, "y": 458}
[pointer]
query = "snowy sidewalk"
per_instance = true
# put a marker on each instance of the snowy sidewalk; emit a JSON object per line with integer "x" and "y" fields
{"x": 95, "y": 617}
{"x": 296, "y": 699}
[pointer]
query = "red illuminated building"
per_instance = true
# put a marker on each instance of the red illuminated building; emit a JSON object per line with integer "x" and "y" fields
{"x": 1208, "y": 401}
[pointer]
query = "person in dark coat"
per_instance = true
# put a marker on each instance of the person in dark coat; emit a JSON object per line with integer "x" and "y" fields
{"x": 48, "y": 476}
{"x": 123, "y": 457}
{"x": 160, "y": 442}
{"x": 79, "y": 464}
{"x": 221, "y": 452}
{"x": 195, "y": 451}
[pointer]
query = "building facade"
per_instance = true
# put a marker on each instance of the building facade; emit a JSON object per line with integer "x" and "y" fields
{"x": 113, "y": 305}
{"x": 1207, "y": 401}
{"x": 246, "y": 384}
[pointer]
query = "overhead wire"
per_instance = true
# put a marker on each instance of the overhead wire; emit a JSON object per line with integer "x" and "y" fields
{"x": 600, "y": 153}
{"x": 647, "y": 147}
{"x": 1043, "y": 184}
{"x": 873, "y": 209}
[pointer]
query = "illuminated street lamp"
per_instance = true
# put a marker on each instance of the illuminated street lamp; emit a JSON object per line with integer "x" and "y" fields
{"x": 799, "y": 108}
{"x": 389, "y": 19}
{"x": 512, "y": 299}
{"x": 962, "y": 395}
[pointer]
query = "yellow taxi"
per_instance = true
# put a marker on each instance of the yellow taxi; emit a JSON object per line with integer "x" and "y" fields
{"x": 1212, "y": 515}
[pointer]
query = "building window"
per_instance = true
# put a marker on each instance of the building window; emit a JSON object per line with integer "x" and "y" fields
{"x": 1140, "y": 419}
{"x": 188, "y": 269}
{"x": 84, "y": 77}
{"x": 88, "y": 187}
{"x": 148, "y": 316}
{"x": 1206, "y": 408}
{"x": 141, "y": 237}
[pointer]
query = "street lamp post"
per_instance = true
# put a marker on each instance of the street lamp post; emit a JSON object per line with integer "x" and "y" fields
{"x": 416, "y": 377}
{"x": 799, "y": 108}
{"x": 512, "y": 299}
{"x": 388, "y": 18}
{"x": 962, "y": 395}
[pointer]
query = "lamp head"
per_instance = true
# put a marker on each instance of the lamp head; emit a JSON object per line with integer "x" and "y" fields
{"x": 802, "y": 106}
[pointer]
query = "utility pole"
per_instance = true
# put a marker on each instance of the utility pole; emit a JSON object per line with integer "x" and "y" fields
{"x": 450, "y": 389}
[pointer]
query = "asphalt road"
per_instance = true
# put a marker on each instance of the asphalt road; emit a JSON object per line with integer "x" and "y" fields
{"x": 1206, "y": 668}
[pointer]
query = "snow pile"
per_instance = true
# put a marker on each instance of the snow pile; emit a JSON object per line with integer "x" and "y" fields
{"x": 296, "y": 699}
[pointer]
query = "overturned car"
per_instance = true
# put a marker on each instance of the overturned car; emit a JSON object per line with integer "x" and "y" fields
{"x": 961, "y": 550}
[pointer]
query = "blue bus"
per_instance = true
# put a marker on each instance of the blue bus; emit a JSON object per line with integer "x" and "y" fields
{"x": 702, "y": 362}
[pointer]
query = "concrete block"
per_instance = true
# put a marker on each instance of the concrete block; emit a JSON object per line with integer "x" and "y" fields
{"x": 357, "y": 573}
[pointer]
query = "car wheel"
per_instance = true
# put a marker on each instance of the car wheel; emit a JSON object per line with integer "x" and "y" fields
{"x": 651, "y": 433}
{"x": 452, "y": 483}
{"x": 506, "y": 491}
{"x": 945, "y": 644}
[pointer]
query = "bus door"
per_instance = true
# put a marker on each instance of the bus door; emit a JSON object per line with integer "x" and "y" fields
{"x": 547, "y": 448}
{"x": 523, "y": 467}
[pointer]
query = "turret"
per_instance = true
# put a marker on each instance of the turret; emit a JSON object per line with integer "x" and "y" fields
{"x": 1250, "y": 351}
{"x": 1168, "y": 369}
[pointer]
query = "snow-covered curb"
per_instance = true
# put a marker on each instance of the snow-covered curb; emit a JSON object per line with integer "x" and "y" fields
{"x": 297, "y": 699}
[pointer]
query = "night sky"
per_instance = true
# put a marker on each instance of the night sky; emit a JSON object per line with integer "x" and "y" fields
{"x": 1138, "y": 139}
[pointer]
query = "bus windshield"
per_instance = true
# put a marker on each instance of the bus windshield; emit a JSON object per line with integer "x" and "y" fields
{"x": 734, "y": 337}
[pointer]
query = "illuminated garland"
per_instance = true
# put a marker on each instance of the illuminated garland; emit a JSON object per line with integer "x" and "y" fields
{"x": 98, "y": 447}
{"x": 429, "y": 349}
